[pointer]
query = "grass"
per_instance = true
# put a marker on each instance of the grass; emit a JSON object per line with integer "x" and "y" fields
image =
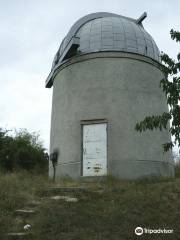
{"x": 16, "y": 190}
{"x": 113, "y": 213}
{"x": 110, "y": 210}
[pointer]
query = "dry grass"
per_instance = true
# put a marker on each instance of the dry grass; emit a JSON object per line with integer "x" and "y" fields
{"x": 113, "y": 211}
{"x": 16, "y": 190}
{"x": 110, "y": 210}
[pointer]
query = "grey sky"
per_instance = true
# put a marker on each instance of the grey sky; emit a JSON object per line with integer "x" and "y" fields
{"x": 31, "y": 32}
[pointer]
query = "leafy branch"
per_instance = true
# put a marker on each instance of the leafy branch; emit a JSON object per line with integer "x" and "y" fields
{"x": 170, "y": 85}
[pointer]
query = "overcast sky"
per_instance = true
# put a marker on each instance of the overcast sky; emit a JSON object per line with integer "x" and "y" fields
{"x": 30, "y": 34}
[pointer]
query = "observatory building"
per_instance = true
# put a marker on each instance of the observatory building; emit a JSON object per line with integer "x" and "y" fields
{"x": 105, "y": 79}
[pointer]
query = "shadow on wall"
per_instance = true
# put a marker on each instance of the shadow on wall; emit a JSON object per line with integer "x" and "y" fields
{"x": 54, "y": 159}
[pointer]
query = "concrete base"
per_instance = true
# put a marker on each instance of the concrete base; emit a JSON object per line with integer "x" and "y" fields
{"x": 139, "y": 169}
{"x": 121, "y": 169}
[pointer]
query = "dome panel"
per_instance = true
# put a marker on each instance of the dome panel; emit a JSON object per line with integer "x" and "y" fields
{"x": 115, "y": 34}
{"x": 100, "y": 32}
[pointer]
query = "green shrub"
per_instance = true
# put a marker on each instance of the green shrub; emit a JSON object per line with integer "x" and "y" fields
{"x": 22, "y": 151}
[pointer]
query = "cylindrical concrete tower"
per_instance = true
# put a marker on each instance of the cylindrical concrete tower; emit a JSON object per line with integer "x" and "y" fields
{"x": 105, "y": 79}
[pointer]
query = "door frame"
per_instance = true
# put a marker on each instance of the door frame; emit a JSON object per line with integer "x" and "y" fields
{"x": 91, "y": 122}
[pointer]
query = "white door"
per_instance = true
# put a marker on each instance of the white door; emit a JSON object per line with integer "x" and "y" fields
{"x": 95, "y": 149}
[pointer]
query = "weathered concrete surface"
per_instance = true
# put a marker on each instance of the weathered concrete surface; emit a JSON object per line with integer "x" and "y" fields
{"x": 65, "y": 198}
{"x": 17, "y": 236}
{"x": 65, "y": 190}
{"x": 121, "y": 88}
{"x": 25, "y": 212}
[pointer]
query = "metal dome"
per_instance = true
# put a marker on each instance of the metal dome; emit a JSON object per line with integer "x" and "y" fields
{"x": 100, "y": 32}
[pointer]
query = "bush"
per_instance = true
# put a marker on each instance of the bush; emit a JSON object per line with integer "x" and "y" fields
{"x": 22, "y": 151}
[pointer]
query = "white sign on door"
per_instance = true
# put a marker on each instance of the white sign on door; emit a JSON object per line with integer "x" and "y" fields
{"x": 95, "y": 149}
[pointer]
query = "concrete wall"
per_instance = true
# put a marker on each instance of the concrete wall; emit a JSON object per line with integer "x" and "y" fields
{"x": 121, "y": 88}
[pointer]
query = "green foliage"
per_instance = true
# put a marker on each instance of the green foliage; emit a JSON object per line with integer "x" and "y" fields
{"x": 23, "y": 151}
{"x": 170, "y": 85}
